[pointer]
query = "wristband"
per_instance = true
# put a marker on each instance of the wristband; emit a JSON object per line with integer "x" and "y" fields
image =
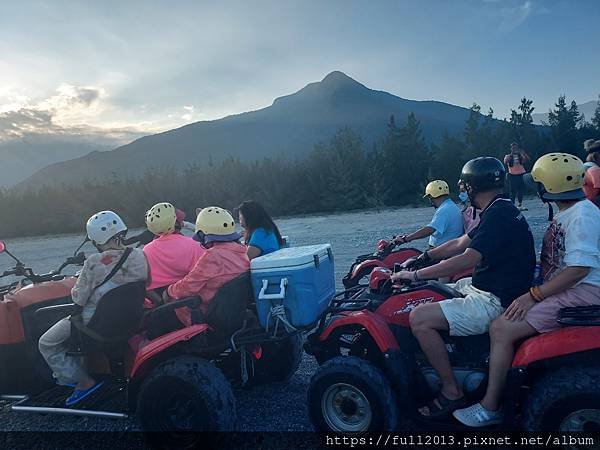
{"x": 416, "y": 276}
{"x": 404, "y": 240}
{"x": 535, "y": 293}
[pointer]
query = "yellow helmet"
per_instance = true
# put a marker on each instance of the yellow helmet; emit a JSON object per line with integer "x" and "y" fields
{"x": 560, "y": 176}
{"x": 436, "y": 188}
{"x": 213, "y": 220}
{"x": 161, "y": 218}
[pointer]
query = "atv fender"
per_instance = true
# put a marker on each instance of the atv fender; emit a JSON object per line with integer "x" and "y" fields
{"x": 377, "y": 328}
{"x": 366, "y": 267}
{"x": 566, "y": 341}
{"x": 148, "y": 352}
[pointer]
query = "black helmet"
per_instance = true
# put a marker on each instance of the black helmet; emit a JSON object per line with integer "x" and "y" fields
{"x": 483, "y": 174}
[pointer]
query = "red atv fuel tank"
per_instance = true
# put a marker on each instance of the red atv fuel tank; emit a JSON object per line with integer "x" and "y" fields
{"x": 11, "y": 307}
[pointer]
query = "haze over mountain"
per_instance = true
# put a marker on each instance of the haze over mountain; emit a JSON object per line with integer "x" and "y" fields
{"x": 587, "y": 109}
{"x": 289, "y": 128}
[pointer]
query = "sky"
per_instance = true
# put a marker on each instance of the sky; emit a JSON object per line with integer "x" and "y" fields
{"x": 117, "y": 70}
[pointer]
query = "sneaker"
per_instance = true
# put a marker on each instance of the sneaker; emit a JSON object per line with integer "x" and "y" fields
{"x": 476, "y": 416}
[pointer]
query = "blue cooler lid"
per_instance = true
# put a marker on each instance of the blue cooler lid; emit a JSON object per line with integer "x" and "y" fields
{"x": 291, "y": 257}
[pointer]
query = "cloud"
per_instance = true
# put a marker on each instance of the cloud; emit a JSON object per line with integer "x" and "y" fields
{"x": 514, "y": 16}
{"x": 72, "y": 113}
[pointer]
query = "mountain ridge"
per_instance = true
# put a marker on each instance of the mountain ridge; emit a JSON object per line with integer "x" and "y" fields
{"x": 289, "y": 127}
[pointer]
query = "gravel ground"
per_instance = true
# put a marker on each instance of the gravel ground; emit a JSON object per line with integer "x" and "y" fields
{"x": 275, "y": 407}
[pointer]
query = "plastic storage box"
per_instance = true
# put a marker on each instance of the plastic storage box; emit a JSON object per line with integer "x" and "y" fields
{"x": 293, "y": 284}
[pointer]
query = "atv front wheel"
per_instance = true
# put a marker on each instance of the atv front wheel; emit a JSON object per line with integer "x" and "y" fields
{"x": 186, "y": 394}
{"x": 565, "y": 400}
{"x": 279, "y": 360}
{"x": 349, "y": 394}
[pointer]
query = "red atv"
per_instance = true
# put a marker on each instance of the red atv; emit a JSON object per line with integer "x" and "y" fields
{"x": 373, "y": 375}
{"x": 176, "y": 380}
{"x": 388, "y": 254}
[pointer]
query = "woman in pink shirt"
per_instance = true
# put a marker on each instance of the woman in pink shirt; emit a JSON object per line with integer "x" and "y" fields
{"x": 171, "y": 256}
{"x": 515, "y": 161}
{"x": 225, "y": 259}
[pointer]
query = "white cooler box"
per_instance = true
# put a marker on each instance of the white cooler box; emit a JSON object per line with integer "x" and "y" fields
{"x": 299, "y": 279}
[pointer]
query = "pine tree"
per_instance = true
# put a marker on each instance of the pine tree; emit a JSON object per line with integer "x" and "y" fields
{"x": 564, "y": 120}
{"x": 596, "y": 117}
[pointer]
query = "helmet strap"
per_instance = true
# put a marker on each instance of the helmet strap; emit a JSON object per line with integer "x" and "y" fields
{"x": 550, "y": 212}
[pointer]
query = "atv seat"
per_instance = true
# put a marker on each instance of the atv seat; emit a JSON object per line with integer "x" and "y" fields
{"x": 225, "y": 315}
{"x": 117, "y": 318}
{"x": 579, "y": 316}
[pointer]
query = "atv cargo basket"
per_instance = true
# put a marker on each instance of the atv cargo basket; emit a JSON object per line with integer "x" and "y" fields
{"x": 582, "y": 316}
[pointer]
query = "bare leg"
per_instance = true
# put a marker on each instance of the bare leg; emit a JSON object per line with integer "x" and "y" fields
{"x": 424, "y": 323}
{"x": 503, "y": 336}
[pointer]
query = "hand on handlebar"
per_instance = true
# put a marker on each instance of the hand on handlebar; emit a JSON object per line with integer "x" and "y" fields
{"x": 404, "y": 276}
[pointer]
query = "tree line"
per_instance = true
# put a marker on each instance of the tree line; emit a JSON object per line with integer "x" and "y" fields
{"x": 338, "y": 175}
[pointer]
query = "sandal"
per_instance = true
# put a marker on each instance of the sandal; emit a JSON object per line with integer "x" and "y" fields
{"x": 442, "y": 406}
{"x": 78, "y": 395}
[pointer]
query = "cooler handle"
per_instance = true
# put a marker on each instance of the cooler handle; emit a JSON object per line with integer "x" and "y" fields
{"x": 279, "y": 296}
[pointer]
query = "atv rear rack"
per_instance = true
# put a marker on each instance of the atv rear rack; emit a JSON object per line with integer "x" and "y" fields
{"x": 582, "y": 316}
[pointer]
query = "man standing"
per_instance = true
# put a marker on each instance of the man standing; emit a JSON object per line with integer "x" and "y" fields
{"x": 515, "y": 161}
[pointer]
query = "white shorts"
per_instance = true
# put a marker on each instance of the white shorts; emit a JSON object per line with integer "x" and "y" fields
{"x": 473, "y": 313}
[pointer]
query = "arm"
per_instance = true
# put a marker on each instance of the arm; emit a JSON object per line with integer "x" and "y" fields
{"x": 204, "y": 270}
{"x": 566, "y": 279}
{"x": 525, "y": 156}
{"x": 85, "y": 283}
{"x": 450, "y": 248}
{"x": 253, "y": 252}
{"x": 506, "y": 158}
{"x": 469, "y": 258}
{"x": 419, "y": 234}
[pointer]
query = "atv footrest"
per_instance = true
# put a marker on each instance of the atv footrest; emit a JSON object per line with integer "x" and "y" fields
{"x": 53, "y": 400}
{"x": 579, "y": 316}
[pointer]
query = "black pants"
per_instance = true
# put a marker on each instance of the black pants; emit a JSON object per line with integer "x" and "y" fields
{"x": 516, "y": 187}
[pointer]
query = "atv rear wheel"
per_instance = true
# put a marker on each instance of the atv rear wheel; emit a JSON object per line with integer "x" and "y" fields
{"x": 565, "y": 400}
{"x": 349, "y": 394}
{"x": 279, "y": 360}
{"x": 186, "y": 394}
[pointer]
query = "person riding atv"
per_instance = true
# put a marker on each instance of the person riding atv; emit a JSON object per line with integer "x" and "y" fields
{"x": 571, "y": 271}
{"x": 224, "y": 260}
{"x": 502, "y": 250}
{"x": 171, "y": 255}
{"x": 111, "y": 267}
{"x": 446, "y": 223}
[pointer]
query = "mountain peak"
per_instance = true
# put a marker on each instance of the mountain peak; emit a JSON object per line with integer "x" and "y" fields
{"x": 337, "y": 79}
{"x": 333, "y": 82}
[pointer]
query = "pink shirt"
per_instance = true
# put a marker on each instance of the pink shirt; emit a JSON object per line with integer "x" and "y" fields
{"x": 171, "y": 258}
{"x": 221, "y": 263}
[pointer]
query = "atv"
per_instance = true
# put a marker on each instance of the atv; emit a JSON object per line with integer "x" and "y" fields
{"x": 388, "y": 255}
{"x": 373, "y": 375}
{"x": 175, "y": 380}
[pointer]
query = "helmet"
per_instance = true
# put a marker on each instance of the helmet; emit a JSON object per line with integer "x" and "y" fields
{"x": 559, "y": 176}
{"x": 103, "y": 226}
{"x": 436, "y": 188}
{"x": 161, "y": 218}
{"x": 216, "y": 224}
{"x": 483, "y": 174}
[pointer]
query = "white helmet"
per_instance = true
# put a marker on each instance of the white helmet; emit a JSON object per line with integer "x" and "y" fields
{"x": 104, "y": 225}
